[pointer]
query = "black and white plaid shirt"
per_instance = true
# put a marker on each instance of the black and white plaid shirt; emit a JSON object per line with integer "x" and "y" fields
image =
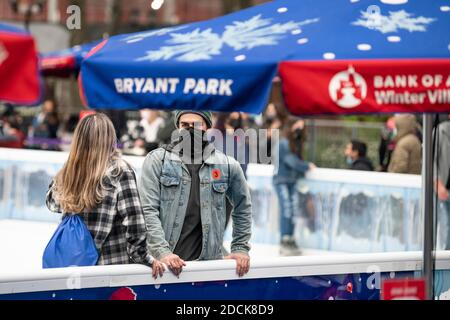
{"x": 117, "y": 225}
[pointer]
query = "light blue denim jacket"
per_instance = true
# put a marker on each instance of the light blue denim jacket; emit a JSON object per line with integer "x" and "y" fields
{"x": 164, "y": 188}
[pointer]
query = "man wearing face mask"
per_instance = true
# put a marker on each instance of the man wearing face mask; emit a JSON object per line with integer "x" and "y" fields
{"x": 183, "y": 189}
{"x": 355, "y": 156}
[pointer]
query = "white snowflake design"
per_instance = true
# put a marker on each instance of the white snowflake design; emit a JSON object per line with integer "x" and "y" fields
{"x": 396, "y": 21}
{"x": 153, "y": 33}
{"x": 204, "y": 44}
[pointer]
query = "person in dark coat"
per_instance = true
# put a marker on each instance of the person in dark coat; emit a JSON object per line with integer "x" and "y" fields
{"x": 355, "y": 154}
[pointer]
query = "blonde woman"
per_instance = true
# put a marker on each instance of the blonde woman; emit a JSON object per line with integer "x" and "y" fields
{"x": 99, "y": 186}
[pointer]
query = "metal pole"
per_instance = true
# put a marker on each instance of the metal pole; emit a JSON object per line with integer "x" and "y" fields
{"x": 313, "y": 142}
{"x": 427, "y": 204}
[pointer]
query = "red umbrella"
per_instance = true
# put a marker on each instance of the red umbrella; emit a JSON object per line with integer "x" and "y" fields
{"x": 64, "y": 63}
{"x": 19, "y": 73}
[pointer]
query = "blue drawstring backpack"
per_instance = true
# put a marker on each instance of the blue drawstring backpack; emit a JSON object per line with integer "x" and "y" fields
{"x": 70, "y": 245}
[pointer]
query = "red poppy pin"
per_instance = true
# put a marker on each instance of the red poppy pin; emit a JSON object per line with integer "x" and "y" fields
{"x": 216, "y": 174}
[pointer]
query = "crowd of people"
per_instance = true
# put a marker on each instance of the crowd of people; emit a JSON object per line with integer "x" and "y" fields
{"x": 42, "y": 132}
{"x": 138, "y": 134}
{"x": 399, "y": 152}
{"x": 399, "y": 149}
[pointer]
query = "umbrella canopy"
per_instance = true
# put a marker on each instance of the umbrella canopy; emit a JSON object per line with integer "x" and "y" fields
{"x": 351, "y": 58}
{"x": 390, "y": 57}
{"x": 222, "y": 64}
{"x": 63, "y": 63}
{"x": 19, "y": 74}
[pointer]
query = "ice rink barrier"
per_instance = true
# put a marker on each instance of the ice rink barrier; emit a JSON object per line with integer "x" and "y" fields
{"x": 338, "y": 210}
{"x": 349, "y": 277}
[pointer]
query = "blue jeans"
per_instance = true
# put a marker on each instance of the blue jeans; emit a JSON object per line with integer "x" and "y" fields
{"x": 287, "y": 202}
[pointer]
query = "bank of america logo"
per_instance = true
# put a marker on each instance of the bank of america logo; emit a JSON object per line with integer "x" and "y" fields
{"x": 348, "y": 88}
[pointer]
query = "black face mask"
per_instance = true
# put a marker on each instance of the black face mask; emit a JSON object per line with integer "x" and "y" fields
{"x": 235, "y": 123}
{"x": 192, "y": 141}
{"x": 298, "y": 134}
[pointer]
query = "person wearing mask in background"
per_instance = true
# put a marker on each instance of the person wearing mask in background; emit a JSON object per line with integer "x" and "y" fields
{"x": 273, "y": 118}
{"x": 183, "y": 189}
{"x": 164, "y": 134}
{"x": 43, "y": 132}
{"x": 150, "y": 123}
{"x": 231, "y": 123}
{"x": 355, "y": 155}
{"x": 442, "y": 168}
{"x": 289, "y": 167}
{"x": 141, "y": 138}
{"x": 10, "y": 134}
{"x": 387, "y": 144}
{"x": 98, "y": 185}
{"x": 406, "y": 157}
{"x": 46, "y": 123}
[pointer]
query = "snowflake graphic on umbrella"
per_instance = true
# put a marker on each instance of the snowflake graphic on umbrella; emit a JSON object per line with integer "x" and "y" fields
{"x": 395, "y": 21}
{"x": 204, "y": 44}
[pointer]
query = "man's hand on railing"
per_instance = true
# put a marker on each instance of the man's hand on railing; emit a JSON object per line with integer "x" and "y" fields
{"x": 174, "y": 262}
{"x": 242, "y": 262}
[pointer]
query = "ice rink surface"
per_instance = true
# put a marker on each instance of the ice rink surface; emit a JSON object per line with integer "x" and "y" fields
{"x": 23, "y": 242}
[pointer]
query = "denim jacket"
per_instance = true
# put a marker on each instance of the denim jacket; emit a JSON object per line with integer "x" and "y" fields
{"x": 288, "y": 167}
{"x": 164, "y": 189}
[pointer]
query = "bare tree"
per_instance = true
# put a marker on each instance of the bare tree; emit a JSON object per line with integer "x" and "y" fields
{"x": 234, "y": 5}
{"x": 116, "y": 14}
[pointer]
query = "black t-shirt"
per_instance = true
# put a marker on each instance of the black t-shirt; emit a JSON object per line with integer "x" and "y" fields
{"x": 189, "y": 245}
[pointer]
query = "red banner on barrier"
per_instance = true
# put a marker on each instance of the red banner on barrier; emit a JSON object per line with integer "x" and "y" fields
{"x": 366, "y": 86}
{"x": 403, "y": 289}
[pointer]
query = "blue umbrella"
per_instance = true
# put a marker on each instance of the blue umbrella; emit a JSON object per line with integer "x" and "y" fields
{"x": 63, "y": 63}
{"x": 228, "y": 63}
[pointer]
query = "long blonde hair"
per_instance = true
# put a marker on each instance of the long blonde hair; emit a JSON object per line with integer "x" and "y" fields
{"x": 80, "y": 185}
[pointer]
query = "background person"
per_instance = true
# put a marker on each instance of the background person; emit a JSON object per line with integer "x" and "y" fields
{"x": 407, "y": 155}
{"x": 289, "y": 167}
{"x": 355, "y": 155}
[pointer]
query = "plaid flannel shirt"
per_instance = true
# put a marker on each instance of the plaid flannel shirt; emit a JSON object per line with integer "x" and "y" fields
{"x": 117, "y": 224}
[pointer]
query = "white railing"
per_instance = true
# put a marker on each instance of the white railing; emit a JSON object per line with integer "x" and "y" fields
{"x": 218, "y": 270}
